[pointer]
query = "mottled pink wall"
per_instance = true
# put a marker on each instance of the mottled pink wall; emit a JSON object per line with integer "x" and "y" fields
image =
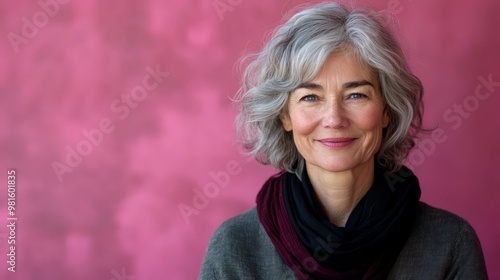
{"x": 79, "y": 69}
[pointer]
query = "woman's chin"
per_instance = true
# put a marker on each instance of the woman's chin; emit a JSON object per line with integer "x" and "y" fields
{"x": 339, "y": 165}
{"x": 335, "y": 166}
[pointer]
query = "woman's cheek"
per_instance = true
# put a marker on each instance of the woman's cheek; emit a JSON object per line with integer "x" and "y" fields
{"x": 370, "y": 119}
{"x": 304, "y": 122}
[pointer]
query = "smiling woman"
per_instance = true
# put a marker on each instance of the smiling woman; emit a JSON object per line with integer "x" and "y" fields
{"x": 336, "y": 121}
{"x": 332, "y": 103}
{"x": 345, "y": 93}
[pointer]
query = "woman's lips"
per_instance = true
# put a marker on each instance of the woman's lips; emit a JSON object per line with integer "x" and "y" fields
{"x": 337, "y": 142}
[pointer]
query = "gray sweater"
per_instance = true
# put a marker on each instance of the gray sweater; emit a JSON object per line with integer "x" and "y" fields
{"x": 441, "y": 246}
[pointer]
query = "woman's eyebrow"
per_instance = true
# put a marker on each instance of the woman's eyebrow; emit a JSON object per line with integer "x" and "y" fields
{"x": 356, "y": 84}
{"x": 348, "y": 85}
{"x": 310, "y": 85}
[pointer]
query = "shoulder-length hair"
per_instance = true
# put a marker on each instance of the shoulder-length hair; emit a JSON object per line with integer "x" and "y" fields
{"x": 295, "y": 54}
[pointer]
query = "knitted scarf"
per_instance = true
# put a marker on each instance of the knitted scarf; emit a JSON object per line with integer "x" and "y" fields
{"x": 314, "y": 248}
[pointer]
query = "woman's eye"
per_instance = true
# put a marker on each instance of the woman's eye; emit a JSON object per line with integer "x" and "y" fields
{"x": 309, "y": 98}
{"x": 356, "y": 96}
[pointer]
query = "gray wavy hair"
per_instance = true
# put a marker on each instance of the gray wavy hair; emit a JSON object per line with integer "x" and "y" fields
{"x": 295, "y": 54}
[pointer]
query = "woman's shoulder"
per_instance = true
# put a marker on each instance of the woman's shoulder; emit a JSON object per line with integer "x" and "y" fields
{"x": 441, "y": 244}
{"x": 429, "y": 216}
{"x": 240, "y": 226}
{"x": 442, "y": 226}
{"x": 237, "y": 234}
{"x": 439, "y": 228}
{"x": 239, "y": 248}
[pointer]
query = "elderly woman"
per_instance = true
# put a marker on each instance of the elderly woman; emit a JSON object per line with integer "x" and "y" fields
{"x": 332, "y": 103}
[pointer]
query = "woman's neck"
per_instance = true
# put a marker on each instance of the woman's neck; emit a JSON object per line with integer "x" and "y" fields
{"x": 340, "y": 192}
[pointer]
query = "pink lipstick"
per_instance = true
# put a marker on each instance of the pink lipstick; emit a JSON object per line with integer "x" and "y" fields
{"x": 337, "y": 142}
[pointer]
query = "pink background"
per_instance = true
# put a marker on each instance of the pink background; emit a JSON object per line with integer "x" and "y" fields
{"x": 116, "y": 214}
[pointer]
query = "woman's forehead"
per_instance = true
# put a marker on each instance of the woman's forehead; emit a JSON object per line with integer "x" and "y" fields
{"x": 344, "y": 66}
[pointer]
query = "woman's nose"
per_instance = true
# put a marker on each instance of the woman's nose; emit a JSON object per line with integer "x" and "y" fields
{"x": 335, "y": 115}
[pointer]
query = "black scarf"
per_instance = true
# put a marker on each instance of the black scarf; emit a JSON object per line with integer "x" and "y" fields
{"x": 313, "y": 247}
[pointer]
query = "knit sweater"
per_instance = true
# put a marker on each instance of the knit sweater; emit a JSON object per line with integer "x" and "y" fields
{"x": 441, "y": 246}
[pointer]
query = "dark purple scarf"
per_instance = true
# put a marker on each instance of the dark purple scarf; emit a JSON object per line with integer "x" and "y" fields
{"x": 366, "y": 248}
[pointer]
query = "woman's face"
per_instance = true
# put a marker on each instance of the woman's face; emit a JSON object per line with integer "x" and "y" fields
{"x": 337, "y": 118}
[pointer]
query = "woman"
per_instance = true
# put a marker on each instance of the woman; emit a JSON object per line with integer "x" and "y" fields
{"x": 331, "y": 102}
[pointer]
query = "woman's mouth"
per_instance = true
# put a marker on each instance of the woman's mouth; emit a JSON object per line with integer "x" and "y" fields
{"x": 337, "y": 142}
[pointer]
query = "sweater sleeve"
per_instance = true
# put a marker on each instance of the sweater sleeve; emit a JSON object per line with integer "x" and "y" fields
{"x": 468, "y": 261}
{"x": 240, "y": 249}
{"x": 217, "y": 262}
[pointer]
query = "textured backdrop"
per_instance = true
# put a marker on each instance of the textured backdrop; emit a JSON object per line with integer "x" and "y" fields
{"x": 116, "y": 117}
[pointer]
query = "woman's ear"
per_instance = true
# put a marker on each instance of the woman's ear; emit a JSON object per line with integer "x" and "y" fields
{"x": 285, "y": 120}
{"x": 385, "y": 119}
